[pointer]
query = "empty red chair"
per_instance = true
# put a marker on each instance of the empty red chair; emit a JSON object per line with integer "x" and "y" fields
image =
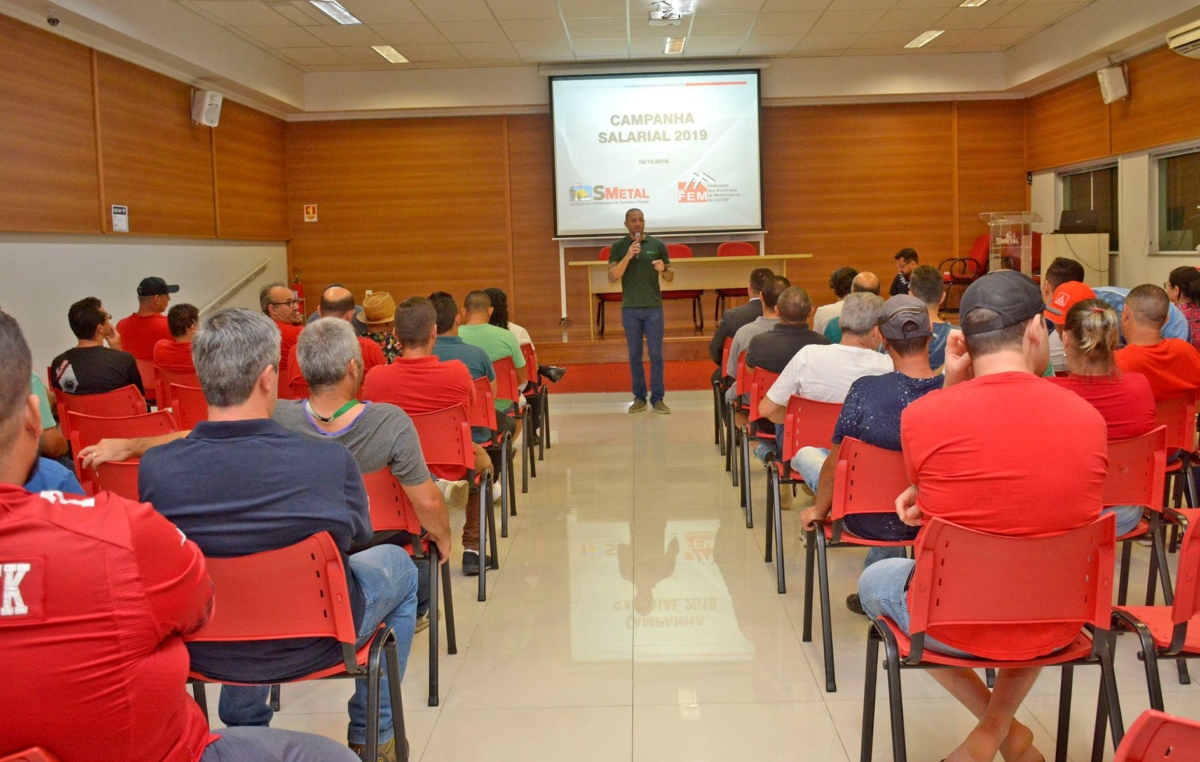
{"x": 683, "y": 251}
{"x": 168, "y": 376}
{"x": 120, "y": 402}
{"x": 188, "y": 405}
{"x": 732, "y": 249}
{"x": 392, "y": 511}
{"x": 1135, "y": 477}
{"x": 1159, "y": 737}
{"x": 36, "y": 754}
{"x": 299, "y": 592}
{"x": 962, "y": 272}
{"x": 87, "y": 430}
{"x": 603, "y": 299}
{"x": 483, "y": 415}
{"x": 507, "y": 388}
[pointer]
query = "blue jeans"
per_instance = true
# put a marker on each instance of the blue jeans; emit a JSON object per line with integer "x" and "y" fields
{"x": 881, "y": 592}
{"x": 1128, "y": 517}
{"x": 645, "y": 322}
{"x": 259, "y": 744}
{"x": 388, "y": 580}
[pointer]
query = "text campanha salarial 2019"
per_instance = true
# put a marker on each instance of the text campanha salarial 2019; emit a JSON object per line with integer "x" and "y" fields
{"x": 652, "y": 136}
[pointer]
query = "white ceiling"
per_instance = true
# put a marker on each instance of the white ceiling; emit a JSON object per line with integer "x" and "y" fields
{"x": 439, "y": 34}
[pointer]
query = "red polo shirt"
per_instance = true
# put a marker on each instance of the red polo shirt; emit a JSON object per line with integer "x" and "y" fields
{"x": 290, "y": 334}
{"x": 98, "y": 593}
{"x": 139, "y": 334}
{"x": 371, "y": 353}
{"x": 421, "y": 384}
{"x": 174, "y": 355}
{"x": 1172, "y": 366}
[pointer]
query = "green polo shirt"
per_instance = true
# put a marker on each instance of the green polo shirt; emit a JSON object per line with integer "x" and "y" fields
{"x": 498, "y": 343}
{"x": 639, "y": 284}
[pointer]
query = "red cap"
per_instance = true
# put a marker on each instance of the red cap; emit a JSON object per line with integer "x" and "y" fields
{"x": 1067, "y": 296}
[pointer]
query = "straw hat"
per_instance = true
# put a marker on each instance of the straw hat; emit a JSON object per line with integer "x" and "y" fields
{"x": 377, "y": 309}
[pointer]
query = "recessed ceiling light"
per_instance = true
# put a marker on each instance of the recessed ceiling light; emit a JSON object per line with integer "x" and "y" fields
{"x": 674, "y": 45}
{"x": 390, "y": 53}
{"x": 335, "y": 11}
{"x": 971, "y": 3}
{"x": 924, "y": 38}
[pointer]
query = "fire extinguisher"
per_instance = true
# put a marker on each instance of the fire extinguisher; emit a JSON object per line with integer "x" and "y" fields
{"x": 298, "y": 292}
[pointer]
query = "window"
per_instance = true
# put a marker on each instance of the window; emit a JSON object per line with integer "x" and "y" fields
{"x": 1179, "y": 202}
{"x": 1095, "y": 189}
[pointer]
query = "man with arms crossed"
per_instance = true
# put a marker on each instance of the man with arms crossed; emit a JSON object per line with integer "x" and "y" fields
{"x": 638, "y": 261}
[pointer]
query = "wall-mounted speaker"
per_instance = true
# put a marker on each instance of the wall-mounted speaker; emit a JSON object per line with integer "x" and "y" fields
{"x": 1113, "y": 86}
{"x": 206, "y": 107}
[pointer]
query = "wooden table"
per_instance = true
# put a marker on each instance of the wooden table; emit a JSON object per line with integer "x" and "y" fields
{"x": 706, "y": 273}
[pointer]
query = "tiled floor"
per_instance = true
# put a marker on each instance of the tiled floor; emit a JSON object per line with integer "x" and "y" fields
{"x": 633, "y": 618}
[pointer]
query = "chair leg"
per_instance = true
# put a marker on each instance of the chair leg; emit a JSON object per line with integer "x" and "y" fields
{"x": 1123, "y": 583}
{"x": 869, "y": 683}
{"x": 540, "y": 401}
{"x": 546, "y": 417}
{"x": 1109, "y": 685}
{"x": 396, "y": 699}
{"x": 716, "y": 390}
{"x": 511, "y": 469}
{"x": 526, "y": 420}
{"x": 769, "y": 519}
{"x": 431, "y": 558}
{"x": 700, "y": 312}
{"x": 826, "y": 614}
{"x": 1065, "y": 687}
{"x": 777, "y": 520}
{"x": 599, "y": 318}
{"x": 896, "y": 703}
{"x": 810, "y": 553}
{"x": 485, "y": 499}
{"x": 989, "y": 676}
{"x": 448, "y": 601}
{"x": 274, "y": 698}
{"x": 504, "y": 496}
{"x": 746, "y": 441}
{"x": 1158, "y": 548}
{"x": 524, "y": 470}
{"x": 491, "y": 518}
{"x": 370, "y": 750}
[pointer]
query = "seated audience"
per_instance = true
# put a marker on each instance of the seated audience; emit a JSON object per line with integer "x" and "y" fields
{"x": 100, "y": 593}
{"x": 53, "y": 444}
{"x": 1172, "y": 366}
{"x": 772, "y": 288}
{"x": 90, "y": 367}
{"x": 500, "y": 319}
{"x": 839, "y": 283}
{"x": 906, "y": 262}
{"x": 864, "y": 282}
{"x": 497, "y": 342}
{"x": 240, "y": 483}
{"x": 279, "y": 302}
{"x": 949, "y": 438}
{"x": 925, "y": 283}
{"x": 1176, "y": 326}
{"x": 336, "y": 302}
{"x": 734, "y": 318}
{"x": 1183, "y": 289}
{"x": 146, "y": 327}
{"x": 359, "y": 327}
{"x": 1060, "y": 271}
{"x": 376, "y": 321}
{"x": 1089, "y": 335}
{"x": 175, "y": 353}
{"x": 418, "y": 382}
{"x": 871, "y": 414}
{"x": 774, "y": 349}
{"x": 450, "y": 346}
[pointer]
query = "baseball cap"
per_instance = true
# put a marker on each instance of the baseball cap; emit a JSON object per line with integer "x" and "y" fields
{"x": 154, "y": 286}
{"x": 903, "y": 317}
{"x": 1067, "y": 296}
{"x": 1013, "y": 296}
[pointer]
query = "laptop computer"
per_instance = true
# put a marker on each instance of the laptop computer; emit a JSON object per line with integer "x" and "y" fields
{"x": 1077, "y": 221}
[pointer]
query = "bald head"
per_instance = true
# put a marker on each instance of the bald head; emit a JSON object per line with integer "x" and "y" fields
{"x": 865, "y": 283}
{"x": 337, "y": 302}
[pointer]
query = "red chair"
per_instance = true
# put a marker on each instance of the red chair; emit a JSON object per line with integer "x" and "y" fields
{"x": 740, "y": 387}
{"x": 812, "y": 429}
{"x": 149, "y": 382}
{"x": 965, "y": 578}
{"x": 1159, "y": 737}
{"x": 450, "y": 454}
{"x": 758, "y": 383}
{"x": 964, "y": 271}
{"x": 507, "y": 388}
{"x": 87, "y": 430}
{"x": 1135, "y": 477}
{"x": 867, "y": 481}
{"x": 167, "y": 376}
{"x": 483, "y": 415}
{"x": 188, "y": 405}
{"x": 392, "y": 511}
{"x": 732, "y": 249}
{"x": 1179, "y": 416}
{"x": 683, "y": 251}
{"x": 115, "y": 404}
{"x": 119, "y": 477}
{"x": 36, "y": 754}
{"x": 603, "y": 299}
{"x": 538, "y": 394}
{"x": 719, "y": 399}
{"x": 300, "y": 592}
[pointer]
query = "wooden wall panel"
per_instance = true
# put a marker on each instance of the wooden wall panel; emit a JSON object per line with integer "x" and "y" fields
{"x": 251, "y": 174}
{"x": 535, "y": 298}
{"x": 156, "y": 161}
{"x": 852, "y": 185}
{"x": 409, "y": 206}
{"x": 48, "y": 179}
{"x": 1163, "y": 86}
{"x": 991, "y": 164}
{"x": 1066, "y": 125}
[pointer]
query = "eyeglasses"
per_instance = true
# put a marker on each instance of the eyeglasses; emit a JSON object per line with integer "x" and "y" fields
{"x": 289, "y": 302}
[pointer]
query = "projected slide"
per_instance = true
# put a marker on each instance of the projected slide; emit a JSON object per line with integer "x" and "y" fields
{"x": 683, "y": 148}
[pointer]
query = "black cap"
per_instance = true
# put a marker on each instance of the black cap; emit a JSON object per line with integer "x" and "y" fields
{"x": 904, "y": 317}
{"x": 154, "y": 287}
{"x": 1013, "y": 296}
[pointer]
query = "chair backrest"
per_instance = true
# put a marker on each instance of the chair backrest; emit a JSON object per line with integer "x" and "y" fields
{"x": 808, "y": 423}
{"x": 980, "y": 251}
{"x": 867, "y": 480}
{"x": 446, "y": 441}
{"x": 119, "y": 477}
{"x": 1159, "y": 737}
{"x": 120, "y": 402}
{"x": 87, "y": 430}
{"x": 507, "y": 387}
{"x": 605, "y": 253}
{"x": 760, "y": 381}
{"x": 1135, "y": 470}
{"x": 1187, "y": 583}
{"x": 189, "y": 406}
{"x": 736, "y": 249}
{"x": 679, "y": 251}
{"x": 965, "y": 578}
{"x": 483, "y": 412}
{"x": 1178, "y": 414}
{"x": 149, "y": 382}
{"x": 531, "y": 363}
{"x": 294, "y": 592}
{"x": 168, "y": 376}
{"x": 36, "y": 754}
{"x": 725, "y": 354}
{"x": 389, "y": 504}
{"x": 740, "y": 380}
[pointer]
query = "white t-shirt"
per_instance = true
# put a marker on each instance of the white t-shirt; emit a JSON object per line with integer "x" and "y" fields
{"x": 825, "y": 313}
{"x": 824, "y": 373}
{"x": 1058, "y": 355}
{"x": 521, "y": 334}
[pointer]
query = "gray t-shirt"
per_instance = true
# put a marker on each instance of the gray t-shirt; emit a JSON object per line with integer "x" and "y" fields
{"x": 381, "y": 435}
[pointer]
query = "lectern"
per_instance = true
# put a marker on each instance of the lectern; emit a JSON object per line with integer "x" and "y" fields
{"x": 1010, "y": 235}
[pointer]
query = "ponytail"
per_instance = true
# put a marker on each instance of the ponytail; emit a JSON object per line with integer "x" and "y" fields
{"x": 1094, "y": 327}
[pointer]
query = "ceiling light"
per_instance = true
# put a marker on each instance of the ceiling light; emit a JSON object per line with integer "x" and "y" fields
{"x": 971, "y": 3}
{"x": 335, "y": 11}
{"x": 924, "y": 38}
{"x": 674, "y": 45}
{"x": 390, "y": 53}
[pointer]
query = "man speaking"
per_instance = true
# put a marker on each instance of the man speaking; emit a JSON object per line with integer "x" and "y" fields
{"x": 638, "y": 261}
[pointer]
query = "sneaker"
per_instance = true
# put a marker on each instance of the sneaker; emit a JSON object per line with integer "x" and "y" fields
{"x": 455, "y": 493}
{"x": 637, "y": 406}
{"x": 422, "y": 623}
{"x": 555, "y": 373}
{"x": 854, "y": 603}
{"x": 661, "y": 408}
{"x": 470, "y": 563}
{"x": 387, "y": 751}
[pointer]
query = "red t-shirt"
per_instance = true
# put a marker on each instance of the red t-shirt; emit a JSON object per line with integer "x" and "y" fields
{"x": 1040, "y": 472}
{"x": 421, "y": 384}
{"x": 139, "y": 334}
{"x": 371, "y": 353}
{"x": 93, "y": 658}
{"x": 289, "y": 334}
{"x": 1125, "y": 401}
{"x": 174, "y": 355}
{"x": 1172, "y": 366}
